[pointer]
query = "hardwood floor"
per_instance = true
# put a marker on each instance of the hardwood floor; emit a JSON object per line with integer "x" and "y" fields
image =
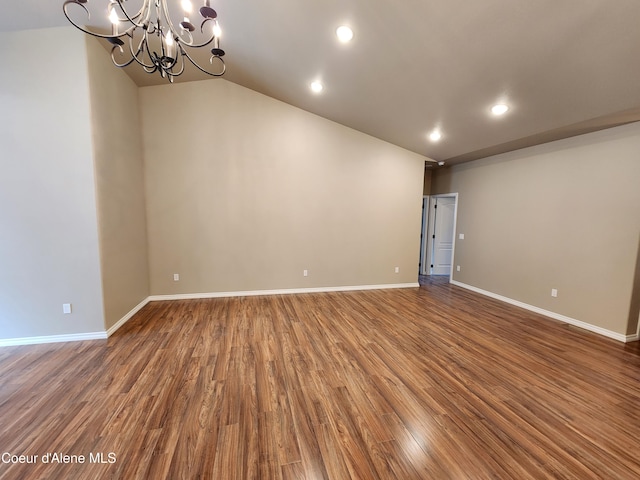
{"x": 427, "y": 383}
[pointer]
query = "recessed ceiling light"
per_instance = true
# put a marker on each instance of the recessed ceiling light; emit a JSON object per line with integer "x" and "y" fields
{"x": 499, "y": 109}
{"x": 316, "y": 87}
{"x": 435, "y": 136}
{"x": 344, "y": 33}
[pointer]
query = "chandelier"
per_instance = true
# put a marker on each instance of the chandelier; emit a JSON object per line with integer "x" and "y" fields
{"x": 152, "y": 36}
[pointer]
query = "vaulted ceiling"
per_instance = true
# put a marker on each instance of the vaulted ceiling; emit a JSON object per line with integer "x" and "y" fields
{"x": 564, "y": 67}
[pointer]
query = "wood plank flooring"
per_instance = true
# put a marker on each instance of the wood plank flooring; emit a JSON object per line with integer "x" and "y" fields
{"x": 426, "y": 383}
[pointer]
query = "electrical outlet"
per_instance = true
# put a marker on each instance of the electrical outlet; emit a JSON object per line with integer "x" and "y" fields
{"x": 176, "y": 277}
{"x": 397, "y": 269}
{"x": 305, "y": 273}
{"x": 66, "y": 308}
{"x": 458, "y": 268}
{"x": 554, "y": 292}
{"x": 461, "y": 236}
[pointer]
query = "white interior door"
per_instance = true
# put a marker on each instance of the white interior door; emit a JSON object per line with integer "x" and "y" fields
{"x": 444, "y": 209}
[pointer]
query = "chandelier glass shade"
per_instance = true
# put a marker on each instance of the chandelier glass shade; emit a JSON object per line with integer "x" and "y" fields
{"x": 149, "y": 33}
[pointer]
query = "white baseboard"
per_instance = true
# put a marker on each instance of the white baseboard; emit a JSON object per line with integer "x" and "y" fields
{"x": 74, "y": 337}
{"x": 547, "y": 313}
{"x": 288, "y": 291}
{"x": 127, "y": 317}
{"x": 188, "y": 296}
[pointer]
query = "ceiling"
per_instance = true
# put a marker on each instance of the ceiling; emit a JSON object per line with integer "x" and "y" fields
{"x": 564, "y": 67}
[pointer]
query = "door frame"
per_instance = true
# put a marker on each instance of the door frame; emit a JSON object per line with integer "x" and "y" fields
{"x": 426, "y": 203}
{"x": 427, "y": 244}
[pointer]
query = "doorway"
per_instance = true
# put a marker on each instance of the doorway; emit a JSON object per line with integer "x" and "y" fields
{"x": 438, "y": 234}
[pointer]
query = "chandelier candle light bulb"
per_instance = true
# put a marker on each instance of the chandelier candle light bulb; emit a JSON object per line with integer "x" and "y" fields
{"x": 113, "y": 16}
{"x": 186, "y": 23}
{"x": 217, "y": 31}
{"x": 168, "y": 41}
{"x": 152, "y": 36}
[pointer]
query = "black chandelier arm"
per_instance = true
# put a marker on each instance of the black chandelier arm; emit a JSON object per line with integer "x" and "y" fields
{"x": 180, "y": 38}
{"x": 179, "y": 59}
{"x": 182, "y": 31}
{"x": 113, "y": 58}
{"x": 145, "y": 51}
{"x": 139, "y": 55}
{"x": 141, "y": 14}
{"x": 210, "y": 39}
{"x": 135, "y": 56}
{"x": 213, "y": 74}
{"x": 89, "y": 32}
{"x": 165, "y": 15}
{"x": 190, "y": 44}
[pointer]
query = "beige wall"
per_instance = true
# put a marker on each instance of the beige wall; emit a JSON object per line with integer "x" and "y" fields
{"x": 245, "y": 192}
{"x": 563, "y": 215}
{"x": 120, "y": 185}
{"x": 48, "y": 227}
